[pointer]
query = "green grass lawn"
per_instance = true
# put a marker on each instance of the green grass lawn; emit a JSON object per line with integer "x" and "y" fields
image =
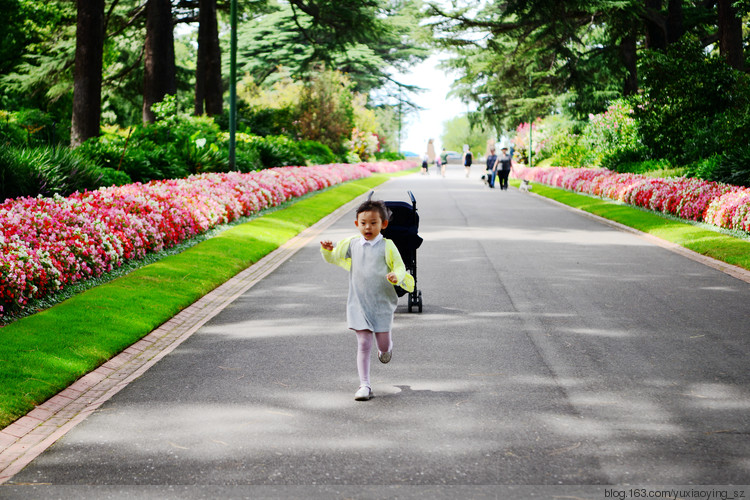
{"x": 708, "y": 242}
{"x": 43, "y": 353}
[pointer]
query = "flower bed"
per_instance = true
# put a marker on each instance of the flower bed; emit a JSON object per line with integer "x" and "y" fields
{"x": 48, "y": 243}
{"x": 719, "y": 204}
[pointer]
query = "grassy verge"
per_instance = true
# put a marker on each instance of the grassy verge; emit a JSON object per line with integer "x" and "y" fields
{"x": 711, "y": 243}
{"x": 43, "y": 353}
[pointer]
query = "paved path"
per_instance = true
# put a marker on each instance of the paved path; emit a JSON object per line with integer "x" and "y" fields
{"x": 553, "y": 350}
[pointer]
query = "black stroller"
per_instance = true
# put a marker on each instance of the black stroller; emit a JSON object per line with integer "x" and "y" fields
{"x": 402, "y": 229}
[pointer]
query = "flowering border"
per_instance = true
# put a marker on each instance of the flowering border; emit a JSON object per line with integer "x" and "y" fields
{"x": 49, "y": 243}
{"x": 722, "y": 205}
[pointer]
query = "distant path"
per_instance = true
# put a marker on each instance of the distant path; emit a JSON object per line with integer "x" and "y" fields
{"x": 552, "y": 350}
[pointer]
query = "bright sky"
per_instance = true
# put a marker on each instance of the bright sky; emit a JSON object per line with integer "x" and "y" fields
{"x": 438, "y": 107}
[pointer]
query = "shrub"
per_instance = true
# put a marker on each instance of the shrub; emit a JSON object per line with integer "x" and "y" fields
{"x": 276, "y": 151}
{"x": 266, "y": 121}
{"x": 389, "y": 156}
{"x": 613, "y": 135}
{"x": 734, "y": 167}
{"x": 316, "y": 153}
{"x": 112, "y": 177}
{"x": 704, "y": 168}
{"x": 47, "y": 171}
{"x": 689, "y": 102}
{"x": 11, "y": 134}
{"x": 17, "y": 177}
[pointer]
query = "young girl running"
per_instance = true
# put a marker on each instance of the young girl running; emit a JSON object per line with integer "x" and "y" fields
{"x": 374, "y": 266}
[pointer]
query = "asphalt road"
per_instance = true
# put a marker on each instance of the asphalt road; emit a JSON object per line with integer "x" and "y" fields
{"x": 554, "y": 356}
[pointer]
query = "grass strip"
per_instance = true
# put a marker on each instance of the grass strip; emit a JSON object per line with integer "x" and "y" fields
{"x": 43, "y": 353}
{"x": 708, "y": 242}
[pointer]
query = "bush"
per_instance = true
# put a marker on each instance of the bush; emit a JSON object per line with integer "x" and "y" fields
{"x": 316, "y": 153}
{"x": 705, "y": 167}
{"x": 690, "y": 102}
{"x": 17, "y": 177}
{"x": 265, "y": 121}
{"x": 389, "y": 156}
{"x": 276, "y": 151}
{"x": 112, "y": 177}
{"x": 734, "y": 167}
{"x": 246, "y": 157}
{"x": 613, "y": 136}
{"x": 11, "y": 134}
{"x": 46, "y": 171}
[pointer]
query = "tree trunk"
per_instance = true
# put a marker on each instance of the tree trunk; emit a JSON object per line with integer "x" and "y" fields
{"x": 159, "y": 77}
{"x": 675, "y": 25}
{"x": 656, "y": 32}
{"x": 730, "y": 35}
{"x": 208, "y": 86}
{"x": 628, "y": 47}
{"x": 87, "y": 79}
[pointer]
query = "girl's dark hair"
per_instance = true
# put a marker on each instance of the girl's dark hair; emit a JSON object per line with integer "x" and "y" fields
{"x": 375, "y": 206}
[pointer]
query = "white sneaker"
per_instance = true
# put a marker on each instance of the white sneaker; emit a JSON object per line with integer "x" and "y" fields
{"x": 385, "y": 357}
{"x": 364, "y": 393}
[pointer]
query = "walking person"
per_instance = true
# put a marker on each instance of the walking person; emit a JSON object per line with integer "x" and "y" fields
{"x": 491, "y": 168}
{"x": 503, "y": 169}
{"x": 375, "y": 266}
{"x": 425, "y": 163}
{"x": 467, "y": 159}
{"x": 443, "y": 161}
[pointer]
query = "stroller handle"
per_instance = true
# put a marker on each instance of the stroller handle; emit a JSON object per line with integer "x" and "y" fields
{"x": 411, "y": 196}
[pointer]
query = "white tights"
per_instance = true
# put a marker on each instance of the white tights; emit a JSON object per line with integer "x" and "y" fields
{"x": 364, "y": 346}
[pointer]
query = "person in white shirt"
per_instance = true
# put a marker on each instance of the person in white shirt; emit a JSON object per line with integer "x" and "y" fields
{"x": 375, "y": 266}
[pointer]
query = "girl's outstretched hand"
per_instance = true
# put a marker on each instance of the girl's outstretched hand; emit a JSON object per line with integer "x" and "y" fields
{"x": 392, "y": 278}
{"x": 327, "y": 244}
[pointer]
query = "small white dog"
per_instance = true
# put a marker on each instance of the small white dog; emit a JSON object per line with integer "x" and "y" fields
{"x": 525, "y": 186}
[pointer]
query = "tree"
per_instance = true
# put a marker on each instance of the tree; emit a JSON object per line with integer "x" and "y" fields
{"x": 87, "y": 77}
{"x": 458, "y": 131}
{"x": 326, "y": 113}
{"x": 159, "y": 77}
{"x": 208, "y": 85}
{"x": 730, "y": 34}
{"x": 346, "y": 41}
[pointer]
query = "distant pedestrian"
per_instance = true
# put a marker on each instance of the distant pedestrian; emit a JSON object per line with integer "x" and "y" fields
{"x": 425, "y": 163}
{"x": 375, "y": 267}
{"x": 443, "y": 161}
{"x": 491, "y": 171}
{"x": 503, "y": 169}
{"x": 467, "y": 159}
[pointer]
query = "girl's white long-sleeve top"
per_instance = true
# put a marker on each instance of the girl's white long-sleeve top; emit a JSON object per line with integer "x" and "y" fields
{"x": 372, "y": 298}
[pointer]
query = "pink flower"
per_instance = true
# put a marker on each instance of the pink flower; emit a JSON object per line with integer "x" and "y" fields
{"x": 48, "y": 243}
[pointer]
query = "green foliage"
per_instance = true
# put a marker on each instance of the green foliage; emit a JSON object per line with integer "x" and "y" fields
{"x": 567, "y": 150}
{"x": 363, "y": 40}
{"x": 458, "y": 131}
{"x": 636, "y": 166}
{"x": 734, "y": 167}
{"x": 686, "y": 108}
{"x": 276, "y": 151}
{"x": 389, "y": 156}
{"x": 11, "y": 133}
{"x": 47, "y": 171}
{"x": 316, "y": 153}
{"x": 17, "y": 177}
{"x": 613, "y": 136}
{"x": 265, "y": 121}
{"x": 326, "y": 112}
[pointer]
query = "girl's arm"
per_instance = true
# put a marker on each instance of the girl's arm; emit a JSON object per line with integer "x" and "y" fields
{"x": 398, "y": 275}
{"x": 337, "y": 254}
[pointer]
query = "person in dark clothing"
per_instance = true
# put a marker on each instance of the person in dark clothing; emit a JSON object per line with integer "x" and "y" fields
{"x": 503, "y": 167}
{"x": 491, "y": 168}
